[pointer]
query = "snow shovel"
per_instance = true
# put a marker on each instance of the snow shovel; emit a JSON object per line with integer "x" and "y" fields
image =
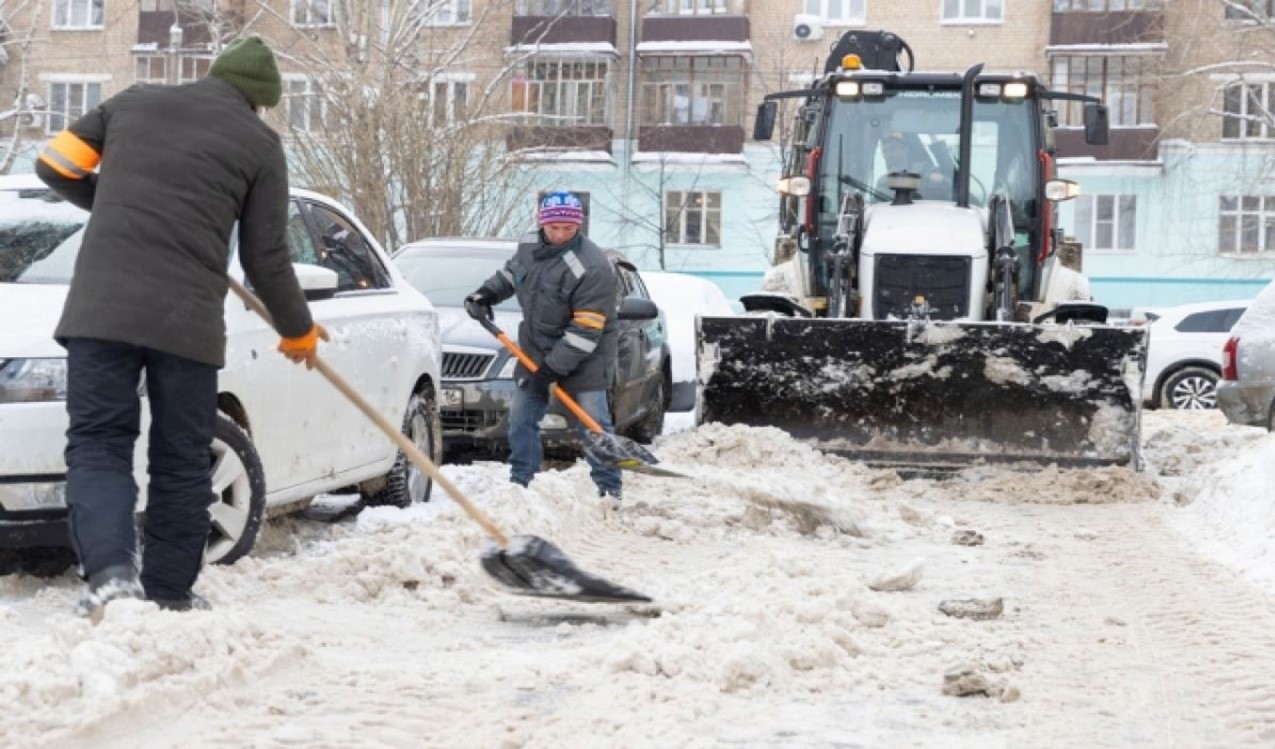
{"x": 527, "y": 565}
{"x": 602, "y": 446}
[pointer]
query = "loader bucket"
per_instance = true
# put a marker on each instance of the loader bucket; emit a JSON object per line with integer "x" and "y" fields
{"x": 929, "y": 394}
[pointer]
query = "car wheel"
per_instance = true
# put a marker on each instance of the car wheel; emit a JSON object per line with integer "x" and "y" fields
{"x": 406, "y": 483}
{"x": 39, "y": 561}
{"x": 651, "y": 425}
{"x": 1270, "y": 418}
{"x": 239, "y": 494}
{"x": 1191, "y": 388}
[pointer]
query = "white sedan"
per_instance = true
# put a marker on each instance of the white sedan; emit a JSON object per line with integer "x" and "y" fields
{"x": 284, "y": 434}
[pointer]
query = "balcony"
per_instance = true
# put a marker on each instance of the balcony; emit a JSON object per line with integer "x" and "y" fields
{"x": 1124, "y": 144}
{"x": 1117, "y": 27}
{"x": 153, "y": 28}
{"x": 563, "y": 22}
{"x": 720, "y": 139}
{"x": 696, "y": 21}
{"x": 576, "y": 138}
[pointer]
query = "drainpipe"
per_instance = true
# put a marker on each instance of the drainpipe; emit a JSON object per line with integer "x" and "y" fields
{"x": 632, "y": 94}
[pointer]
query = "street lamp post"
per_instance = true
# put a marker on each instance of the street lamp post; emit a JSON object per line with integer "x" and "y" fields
{"x": 174, "y": 58}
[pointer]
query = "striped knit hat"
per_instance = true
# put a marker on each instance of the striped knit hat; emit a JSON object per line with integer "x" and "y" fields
{"x": 561, "y": 208}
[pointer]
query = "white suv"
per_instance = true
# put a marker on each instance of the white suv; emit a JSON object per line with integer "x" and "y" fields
{"x": 1247, "y": 391}
{"x": 284, "y": 434}
{"x": 1184, "y": 355}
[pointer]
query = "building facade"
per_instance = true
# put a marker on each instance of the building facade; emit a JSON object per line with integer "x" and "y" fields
{"x": 646, "y": 108}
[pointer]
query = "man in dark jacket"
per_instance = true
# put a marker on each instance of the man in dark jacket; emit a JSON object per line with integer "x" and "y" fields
{"x": 566, "y": 288}
{"x": 178, "y": 167}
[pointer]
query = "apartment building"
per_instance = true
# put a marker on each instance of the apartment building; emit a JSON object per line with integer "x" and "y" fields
{"x": 646, "y": 107}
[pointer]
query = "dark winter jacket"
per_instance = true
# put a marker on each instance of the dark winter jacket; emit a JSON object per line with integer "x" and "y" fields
{"x": 567, "y": 294}
{"x": 179, "y": 166}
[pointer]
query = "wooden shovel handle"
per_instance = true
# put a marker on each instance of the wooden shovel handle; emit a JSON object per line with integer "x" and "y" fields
{"x": 412, "y": 452}
{"x": 563, "y": 396}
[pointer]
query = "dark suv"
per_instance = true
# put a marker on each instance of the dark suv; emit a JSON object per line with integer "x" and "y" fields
{"x": 478, "y": 373}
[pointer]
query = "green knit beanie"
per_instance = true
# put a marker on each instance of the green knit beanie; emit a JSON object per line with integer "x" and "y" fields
{"x": 248, "y": 64}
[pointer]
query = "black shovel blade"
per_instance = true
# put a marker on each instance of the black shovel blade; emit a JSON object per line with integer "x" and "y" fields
{"x": 625, "y": 454}
{"x": 532, "y": 566}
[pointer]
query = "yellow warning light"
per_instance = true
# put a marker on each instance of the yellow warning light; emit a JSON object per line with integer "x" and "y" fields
{"x": 851, "y": 62}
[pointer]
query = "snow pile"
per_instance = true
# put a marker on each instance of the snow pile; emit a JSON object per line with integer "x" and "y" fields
{"x": 74, "y": 674}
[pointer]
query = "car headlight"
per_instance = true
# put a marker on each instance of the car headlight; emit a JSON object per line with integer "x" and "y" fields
{"x": 507, "y": 371}
{"x": 32, "y": 380}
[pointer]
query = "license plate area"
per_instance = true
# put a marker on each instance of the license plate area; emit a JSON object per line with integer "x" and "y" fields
{"x": 451, "y": 398}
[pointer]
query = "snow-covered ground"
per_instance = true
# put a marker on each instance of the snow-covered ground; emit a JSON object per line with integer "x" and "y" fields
{"x": 1135, "y": 610}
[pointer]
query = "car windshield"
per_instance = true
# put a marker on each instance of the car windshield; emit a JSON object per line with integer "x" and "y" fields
{"x": 448, "y": 277}
{"x": 39, "y": 237}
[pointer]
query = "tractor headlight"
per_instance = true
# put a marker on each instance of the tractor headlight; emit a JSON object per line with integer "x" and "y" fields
{"x": 32, "y": 380}
{"x": 847, "y": 90}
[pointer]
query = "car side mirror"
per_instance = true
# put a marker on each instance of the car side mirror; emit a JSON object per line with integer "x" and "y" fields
{"x": 637, "y": 308}
{"x": 316, "y": 282}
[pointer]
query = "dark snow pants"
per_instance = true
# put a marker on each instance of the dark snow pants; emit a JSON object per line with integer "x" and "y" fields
{"x": 105, "y": 414}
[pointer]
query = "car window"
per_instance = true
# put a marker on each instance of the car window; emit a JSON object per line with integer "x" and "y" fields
{"x": 1233, "y": 316}
{"x": 343, "y": 249}
{"x": 623, "y": 284}
{"x": 1213, "y": 321}
{"x": 300, "y": 241}
{"x": 39, "y": 237}
{"x": 448, "y": 277}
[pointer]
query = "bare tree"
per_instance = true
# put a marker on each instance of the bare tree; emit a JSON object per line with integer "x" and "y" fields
{"x": 377, "y": 114}
{"x": 16, "y": 45}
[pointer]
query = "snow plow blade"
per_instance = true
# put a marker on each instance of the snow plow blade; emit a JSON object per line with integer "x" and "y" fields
{"x": 930, "y": 394}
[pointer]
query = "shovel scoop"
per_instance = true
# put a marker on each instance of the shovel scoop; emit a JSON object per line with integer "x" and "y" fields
{"x": 530, "y": 565}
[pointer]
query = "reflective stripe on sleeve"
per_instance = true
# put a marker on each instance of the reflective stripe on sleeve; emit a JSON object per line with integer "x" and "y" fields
{"x": 69, "y": 156}
{"x": 590, "y": 319}
{"x": 508, "y": 276}
{"x": 579, "y": 342}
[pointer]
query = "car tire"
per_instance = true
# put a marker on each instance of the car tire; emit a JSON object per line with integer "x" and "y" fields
{"x": 406, "y": 483}
{"x": 652, "y": 424}
{"x": 1270, "y": 418}
{"x": 1190, "y": 388}
{"x": 37, "y": 561}
{"x": 239, "y": 491}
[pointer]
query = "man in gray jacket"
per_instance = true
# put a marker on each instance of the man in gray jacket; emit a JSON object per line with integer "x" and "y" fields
{"x": 179, "y": 166}
{"x": 566, "y": 288}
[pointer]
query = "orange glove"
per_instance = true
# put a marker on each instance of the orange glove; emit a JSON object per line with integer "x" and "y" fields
{"x": 304, "y": 348}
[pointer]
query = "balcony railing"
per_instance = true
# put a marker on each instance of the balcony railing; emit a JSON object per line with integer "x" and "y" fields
{"x": 564, "y": 8}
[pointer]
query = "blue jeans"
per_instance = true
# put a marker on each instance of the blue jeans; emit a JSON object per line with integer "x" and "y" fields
{"x": 526, "y": 452}
{"x": 105, "y": 417}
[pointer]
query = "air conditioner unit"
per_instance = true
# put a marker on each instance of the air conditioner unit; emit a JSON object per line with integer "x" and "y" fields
{"x": 807, "y": 28}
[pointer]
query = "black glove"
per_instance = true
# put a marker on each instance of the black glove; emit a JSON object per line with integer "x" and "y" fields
{"x": 478, "y": 304}
{"x": 541, "y": 381}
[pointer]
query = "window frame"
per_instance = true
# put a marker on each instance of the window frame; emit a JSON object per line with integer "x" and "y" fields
{"x": 1263, "y": 220}
{"x": 1242, "y": 120}
{"x": 661, "y": 78}
{"x": 69, "y": 7}
{"x": 1105, "y": 6}
{"x": 964, "y": 19}
{"x": 679, "y": 235}
{"x": 1090, "y": 206}
{"x": 534, "y": 89}
{"x": 1114, "y": 93}
{"x": 326, "y": 19}
{"x": 314, "y": 113}
{"x": 65, "y": 117}
{"x": 848, "y": 16}
{"x": 1231, "y": 14}
{"x": 693, "y": 7}
{"x": 449, "y": 13}
{"x": 452, "y": 112}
